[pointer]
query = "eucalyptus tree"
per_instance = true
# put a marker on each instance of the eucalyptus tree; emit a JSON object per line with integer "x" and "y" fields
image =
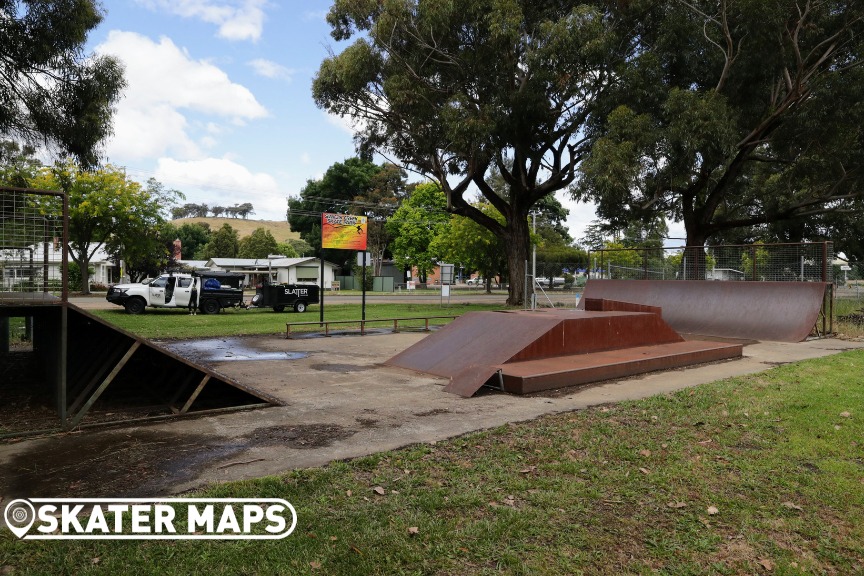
{"x": 51, "y": 92}
{"x": 732, "y": 115}
{"x": 452, "y": 89}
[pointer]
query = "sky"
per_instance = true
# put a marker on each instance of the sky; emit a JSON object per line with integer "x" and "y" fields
{"x": 219, "y": 104}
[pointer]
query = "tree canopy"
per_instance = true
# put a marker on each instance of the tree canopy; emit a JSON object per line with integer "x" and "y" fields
{"x": 454, "y": 88}
{"x": 107, "y": 209}
{"x": 731, "y": 115}
{"x": 51, "y": 93}
{"x": 355, "y": 186}
{"x": 415, "y": 225}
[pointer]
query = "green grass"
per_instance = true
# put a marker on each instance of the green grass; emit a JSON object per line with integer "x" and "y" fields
{"x": 842, "y": 307}
{"x": 176, "y": 323}
{"x": 620, "y": 489}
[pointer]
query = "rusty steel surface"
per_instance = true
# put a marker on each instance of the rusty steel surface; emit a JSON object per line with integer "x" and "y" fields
{"x": 475, "y": 347}
{"x": 778, "y": 311}
{"x": 550, "y": 373}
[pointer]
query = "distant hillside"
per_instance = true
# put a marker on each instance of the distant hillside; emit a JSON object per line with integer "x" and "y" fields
{"x": 280, "y": 229}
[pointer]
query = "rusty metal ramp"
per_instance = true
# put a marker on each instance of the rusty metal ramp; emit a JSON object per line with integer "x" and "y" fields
{"x": 779, "y": 311}
{"x": 497, "y": 347}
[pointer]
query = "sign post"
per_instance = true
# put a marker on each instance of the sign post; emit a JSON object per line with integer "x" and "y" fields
{"x": 344, "y": 232}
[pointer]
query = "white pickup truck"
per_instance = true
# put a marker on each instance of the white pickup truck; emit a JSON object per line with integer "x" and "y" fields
{"x": 216, "y": 290}
{"x": 556, "y": 282}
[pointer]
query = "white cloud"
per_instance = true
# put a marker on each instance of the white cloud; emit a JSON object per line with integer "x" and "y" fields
{"x": 270, "y": 69}
{"x": 305, "y": 158}
{"x": 236, "y": 19}
{"x": 223, "y": 182}
{"x": 151, "y": 120}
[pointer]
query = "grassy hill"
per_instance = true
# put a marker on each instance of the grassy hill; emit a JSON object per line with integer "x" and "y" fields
{"x": 279, "y": 228}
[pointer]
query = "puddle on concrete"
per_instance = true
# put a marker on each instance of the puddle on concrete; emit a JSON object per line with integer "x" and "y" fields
{"x": 225, "y": 350}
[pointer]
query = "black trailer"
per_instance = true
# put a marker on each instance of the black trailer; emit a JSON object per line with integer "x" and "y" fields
{"x": 219, "y": 290}
{"x": 281, "y": 296}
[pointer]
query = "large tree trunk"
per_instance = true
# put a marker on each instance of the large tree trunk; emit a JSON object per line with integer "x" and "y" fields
{"x": 694, "y": 262}
{"x": 516, "y": 241}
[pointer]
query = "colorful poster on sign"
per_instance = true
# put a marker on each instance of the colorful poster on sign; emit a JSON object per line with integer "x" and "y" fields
{"x": 343, "y": 231}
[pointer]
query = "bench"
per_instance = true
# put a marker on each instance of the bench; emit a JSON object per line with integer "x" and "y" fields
{"x": 362, "y": 323}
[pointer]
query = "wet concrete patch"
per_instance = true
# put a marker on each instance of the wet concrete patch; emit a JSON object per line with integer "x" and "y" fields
{"x": 341, "y": 367}
{"x": 300, "y": 436}
{"x": 135, "y": 463}
{"x": 226, "y": 350}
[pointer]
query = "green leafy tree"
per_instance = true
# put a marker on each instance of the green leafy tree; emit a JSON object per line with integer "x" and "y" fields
{"x": 193, "y": 237}
{"x": 259, "y": 244}
{"x": 105, "y": 209}
{"x": 300, "y": 248}
{"x": 413, "y": 227}
{"x": 18, "y": 164}
{"x": 287, "y": 249}
{"x": 454, "y": 88}
{"x": 224, "y": 243}
{"x": 471, "y": 245}
{"x": 732, "y": 114}
{"x": 50, "y": 91}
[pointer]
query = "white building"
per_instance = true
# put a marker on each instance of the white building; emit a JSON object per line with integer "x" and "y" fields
{"x": 277, "y": 270}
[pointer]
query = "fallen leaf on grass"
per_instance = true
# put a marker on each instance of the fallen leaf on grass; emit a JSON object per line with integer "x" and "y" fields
{"x": 315, "y": 565}
{"x": 845, "y": 414}
{"x": 379, "y": 490}
{"x": 712, "y": 511}
{"x": 96, "y": 560}
{"x": 645, "y": 471}
{"x": 767, "y": 564}
{"x": 645, "y": 453}
{"x": 413, "y": 530}
{"x": 792, "y": 506}
{"x": 348, "y": 492}
{"x": 676, "y": 504}
{"x": 705, "y": 442}
{"x": 528, "y": 470}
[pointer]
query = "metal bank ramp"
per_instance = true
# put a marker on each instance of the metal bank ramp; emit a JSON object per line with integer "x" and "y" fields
{"x": 524, "y": 352}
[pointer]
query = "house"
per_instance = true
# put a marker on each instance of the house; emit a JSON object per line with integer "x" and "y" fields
{"x": 277, "y": 270}
{"x": 20, "y": 265}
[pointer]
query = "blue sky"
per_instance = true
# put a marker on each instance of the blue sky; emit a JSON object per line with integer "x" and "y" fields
{"x": 218, "y": 103}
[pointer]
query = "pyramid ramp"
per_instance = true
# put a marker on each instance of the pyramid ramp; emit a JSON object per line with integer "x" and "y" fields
{"x": 778, "y": 311}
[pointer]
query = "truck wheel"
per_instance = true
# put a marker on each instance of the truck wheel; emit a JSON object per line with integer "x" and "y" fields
{"x": 299, "y": 306}
{"x": 135, "y": 305}
{"x": 278, "y": 308}
{"x": 210, "y": 306}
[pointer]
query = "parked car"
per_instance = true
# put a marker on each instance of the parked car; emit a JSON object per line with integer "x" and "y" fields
{"x": 216, "y": 290}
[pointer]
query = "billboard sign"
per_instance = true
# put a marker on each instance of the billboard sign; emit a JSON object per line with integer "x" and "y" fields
{"x": 343, "y": 231}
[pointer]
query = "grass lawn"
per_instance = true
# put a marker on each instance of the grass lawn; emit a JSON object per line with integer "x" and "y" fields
{"x": 176, "y": 323}
{"x": 756, "y": 475}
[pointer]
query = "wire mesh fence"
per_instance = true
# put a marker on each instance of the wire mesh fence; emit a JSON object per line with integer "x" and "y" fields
{"x": 33, "y": 254}
{"x": 793, "y": 262}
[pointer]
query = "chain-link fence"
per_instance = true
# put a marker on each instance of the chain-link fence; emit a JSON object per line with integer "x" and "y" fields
{"x": 33, "y": 254}
{"x": 798, "y": 262}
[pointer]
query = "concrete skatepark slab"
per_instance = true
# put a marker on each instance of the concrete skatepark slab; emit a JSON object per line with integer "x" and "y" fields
{"x": 339, "y": 402}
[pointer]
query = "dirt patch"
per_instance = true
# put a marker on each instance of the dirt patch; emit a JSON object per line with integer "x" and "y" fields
{"x": 303, "y": 436}
{"x": 433, "y": 412}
